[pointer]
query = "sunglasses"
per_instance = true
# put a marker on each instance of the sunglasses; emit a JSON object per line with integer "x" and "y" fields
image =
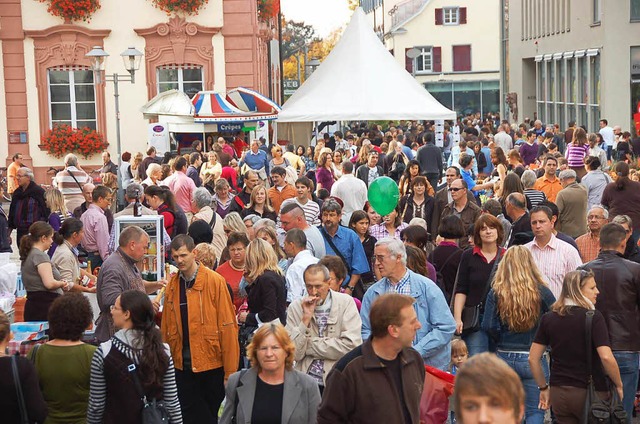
{"x": 455, "y": 189}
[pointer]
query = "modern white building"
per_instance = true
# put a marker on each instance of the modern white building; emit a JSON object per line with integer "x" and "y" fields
{"x": 575, "y": 60}
{"x": 458, "y": 43}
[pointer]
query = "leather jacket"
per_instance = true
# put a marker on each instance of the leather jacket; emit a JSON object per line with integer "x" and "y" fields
{"x": 618, "y": 281}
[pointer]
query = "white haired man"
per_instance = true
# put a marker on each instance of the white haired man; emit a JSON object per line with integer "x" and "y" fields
{"x": 70, "y": 182}
{"x": 432, "y": 339}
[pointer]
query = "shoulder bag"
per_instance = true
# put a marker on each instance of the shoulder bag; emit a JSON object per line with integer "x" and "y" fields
{"x": 154, "y": 412}
{"x": 24, "y": 416}
{"x": 471, "y": 314}
{"x": 327, "y": 238}
{"x": 597, "y": 410}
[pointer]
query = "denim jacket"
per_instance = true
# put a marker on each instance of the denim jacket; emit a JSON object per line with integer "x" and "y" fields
{"x": 505, "y": 338}
{"x": 433, "y": 339}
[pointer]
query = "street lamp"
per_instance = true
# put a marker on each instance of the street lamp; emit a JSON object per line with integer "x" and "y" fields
{"x": 131, "y": 58}
{"x": 313, "y": 64}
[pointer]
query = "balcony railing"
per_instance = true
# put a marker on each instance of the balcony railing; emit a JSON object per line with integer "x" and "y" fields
{"x": 405, "y": 10}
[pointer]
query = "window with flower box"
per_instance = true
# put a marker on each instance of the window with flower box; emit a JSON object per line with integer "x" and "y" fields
{"x": 188, "y": 79}
{"x": 72, "y": 98}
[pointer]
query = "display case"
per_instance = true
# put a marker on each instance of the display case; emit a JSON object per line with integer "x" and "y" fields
{"x": 152, "y": 268}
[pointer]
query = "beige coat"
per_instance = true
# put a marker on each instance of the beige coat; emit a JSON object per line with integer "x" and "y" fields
{"x": 572, "y": 204}
{"x": 343, "y": 333}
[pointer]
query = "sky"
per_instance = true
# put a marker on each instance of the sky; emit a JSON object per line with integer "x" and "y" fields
{"x": 323, "y": 15}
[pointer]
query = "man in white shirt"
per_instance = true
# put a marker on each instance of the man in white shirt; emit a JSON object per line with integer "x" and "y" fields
{"x": 302, "y": 199}
{"x": 295, "y": 246}
{"x": 351, "y": 190}
{"x": 553, "y": 256}
{"x": 503, "y": 139}
{"x": 607, "y": 135}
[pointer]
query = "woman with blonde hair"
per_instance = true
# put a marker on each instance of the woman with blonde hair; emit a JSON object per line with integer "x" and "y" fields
{"x": 514, "y": 306}
{"x": 211, "y": 169}
{"x": 266, "y": 292}
{"x": 324, "y": 172}
{"x": 233, "y": 223}
{"x": 271, "y": 389}
{"x": 269, "y": 235}
{"x": 55, "y": 203}
{"x": 135, "y": 164}
{"x": 260, "y": 204}
{"x": 563, "y": 330}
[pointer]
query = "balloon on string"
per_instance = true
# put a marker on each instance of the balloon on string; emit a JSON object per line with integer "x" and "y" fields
{"x": 383, "y": 195}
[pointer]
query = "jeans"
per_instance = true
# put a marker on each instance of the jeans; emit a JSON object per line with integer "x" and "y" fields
{"x": 609, "y": 149}
{"x": 519, "y": 362}
{"x": 628, "y": 365}
{"x": 477, "y": 342}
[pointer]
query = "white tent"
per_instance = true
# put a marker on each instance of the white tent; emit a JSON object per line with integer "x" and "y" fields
{"x": 361, "y": 80}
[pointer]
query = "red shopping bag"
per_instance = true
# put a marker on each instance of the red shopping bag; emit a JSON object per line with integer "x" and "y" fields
{"x": 434, "y": 404}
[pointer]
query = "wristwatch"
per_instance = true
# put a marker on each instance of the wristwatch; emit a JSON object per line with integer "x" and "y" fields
{"x": 545, "y": 387}
{"x": 352, "y": 288}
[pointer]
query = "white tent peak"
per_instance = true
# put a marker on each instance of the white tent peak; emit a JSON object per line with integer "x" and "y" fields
{"x": 361, "y": 80}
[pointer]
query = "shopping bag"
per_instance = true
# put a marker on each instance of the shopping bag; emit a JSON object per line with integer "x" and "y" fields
{"x": 434, "y": 404}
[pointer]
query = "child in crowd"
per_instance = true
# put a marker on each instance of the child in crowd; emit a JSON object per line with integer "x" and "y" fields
{"x": 459, "y": 355}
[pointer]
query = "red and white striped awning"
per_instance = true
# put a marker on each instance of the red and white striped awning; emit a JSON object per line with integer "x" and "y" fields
{"x": 70, "y": 68}
{"x": 215, "y": 107}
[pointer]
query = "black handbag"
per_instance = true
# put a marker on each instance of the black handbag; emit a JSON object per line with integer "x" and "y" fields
{"x": 154, "y": 412}
{"x": 24, "y": 416}
{"x": 471, "y": 314}
{"x": 245, "y": 335}
{"x": 596, "y": 409}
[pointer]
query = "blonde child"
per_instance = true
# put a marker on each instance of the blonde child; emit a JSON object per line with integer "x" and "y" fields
{"x": 459, "y": 355}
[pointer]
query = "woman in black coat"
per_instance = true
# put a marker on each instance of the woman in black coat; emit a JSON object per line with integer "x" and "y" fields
{"x": 418, "y": 204}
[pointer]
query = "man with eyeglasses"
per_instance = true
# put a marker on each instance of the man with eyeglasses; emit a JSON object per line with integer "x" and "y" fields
{"x": 118, "y": 274}
{"x": 618, "y": 281}
{"x": 589, "y": 243}
{"x": 96, "y": 228}
{"x": 27, "y": 204}
{"x": 467, "y": 211}
{"x": 434, "y": 315}
{"x": 324, "y": 325}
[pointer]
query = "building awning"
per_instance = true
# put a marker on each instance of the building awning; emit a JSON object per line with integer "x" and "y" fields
{"x": 168, "y": 103}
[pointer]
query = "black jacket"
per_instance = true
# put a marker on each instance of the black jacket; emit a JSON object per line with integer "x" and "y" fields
{"x": 618, "y": 281}
{"x": 406, "y": 208}
{"x": 363, "y": 173}
{"x": 430, "y": 158}
{"x": 20, "y": 215}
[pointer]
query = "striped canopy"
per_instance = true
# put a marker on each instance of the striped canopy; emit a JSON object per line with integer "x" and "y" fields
{"x": 239, "y": 105}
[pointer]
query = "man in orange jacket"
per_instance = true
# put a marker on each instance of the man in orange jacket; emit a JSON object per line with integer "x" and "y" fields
{"x": 199, "y": 324}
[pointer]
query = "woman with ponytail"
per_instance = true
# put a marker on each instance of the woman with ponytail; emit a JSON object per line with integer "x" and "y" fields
{"x": 622, "y": 197}
{"x": 65, "y": 257}
{"x": 114, "y": 397}
{"x": 40, "y": 278}
{"x": 162, "y": 200}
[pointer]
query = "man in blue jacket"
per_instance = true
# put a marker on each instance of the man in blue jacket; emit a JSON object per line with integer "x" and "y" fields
{"x": 432, "y": 341}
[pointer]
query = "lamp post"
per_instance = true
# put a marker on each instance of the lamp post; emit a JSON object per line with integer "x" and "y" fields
{"x": 131, "y": 58}
{"x": 314, "y": 62}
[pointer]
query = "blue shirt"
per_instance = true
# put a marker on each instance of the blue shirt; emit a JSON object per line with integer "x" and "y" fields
{"x": 486, "y": 151}
{"x": 256, "y": 161}
{"x": 407, "y": 152}
{"x": 350, "y": 247}
{"x": 466, "y": 176}
{"x": 433, "y": 339}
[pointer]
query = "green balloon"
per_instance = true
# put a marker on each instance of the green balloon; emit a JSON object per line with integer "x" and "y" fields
{"x": 383, "y": 195}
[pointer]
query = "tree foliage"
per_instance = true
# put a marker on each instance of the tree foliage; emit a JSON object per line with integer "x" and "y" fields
{"x": 295, "y": 35}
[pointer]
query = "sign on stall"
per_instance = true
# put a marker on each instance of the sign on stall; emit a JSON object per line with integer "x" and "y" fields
{"x": 158, "y": 137}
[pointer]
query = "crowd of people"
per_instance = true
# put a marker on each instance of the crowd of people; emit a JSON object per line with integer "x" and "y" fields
{"x": 295, "y": 301}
